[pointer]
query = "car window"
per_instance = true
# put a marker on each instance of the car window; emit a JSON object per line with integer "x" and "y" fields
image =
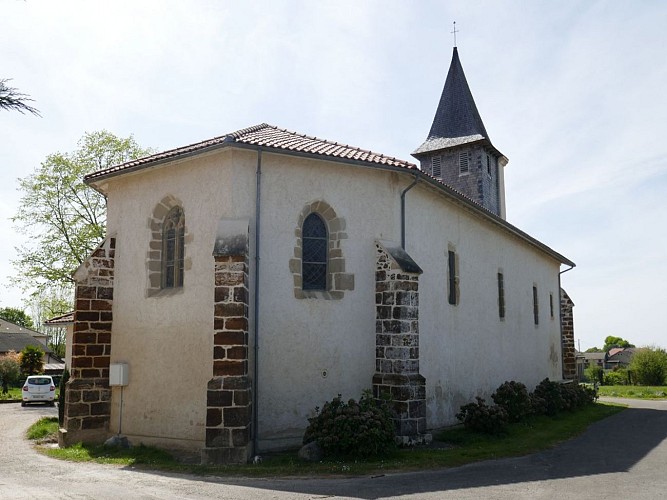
{"x": 39, "y": 381}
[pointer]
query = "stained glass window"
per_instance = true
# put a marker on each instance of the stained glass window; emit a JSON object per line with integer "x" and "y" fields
{"x": 173, "y": 248}
{"x": 314, "y": 253}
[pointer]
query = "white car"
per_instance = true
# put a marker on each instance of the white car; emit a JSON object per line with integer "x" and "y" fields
{"x": 39, "y": 389}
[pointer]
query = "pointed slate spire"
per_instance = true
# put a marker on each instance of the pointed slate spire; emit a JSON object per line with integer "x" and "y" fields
{"x": 458, "y": 151}
{"x": 457, "y": 120}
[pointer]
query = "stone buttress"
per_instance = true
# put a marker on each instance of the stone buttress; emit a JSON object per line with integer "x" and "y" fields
{"x": 87, "y": 405}
{"x": 397, "y": 376}
{"x": 229, "y": 394}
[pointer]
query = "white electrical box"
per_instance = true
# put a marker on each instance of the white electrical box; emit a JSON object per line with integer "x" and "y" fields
{"x": 118, "y": 374}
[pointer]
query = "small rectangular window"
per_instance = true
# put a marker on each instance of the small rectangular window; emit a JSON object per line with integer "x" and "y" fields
{"x": 463, "y": 163}
{"x": 501, "y": 296}
{"x": 451, "y": 277}
{"x": 488, "y": 165}
{"x": 436, "y": 167}
{"x": 551, "y": 304}
{"x": 536, "y": 306}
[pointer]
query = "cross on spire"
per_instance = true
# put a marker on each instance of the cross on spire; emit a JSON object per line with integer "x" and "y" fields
{"x": 455, "y": 32}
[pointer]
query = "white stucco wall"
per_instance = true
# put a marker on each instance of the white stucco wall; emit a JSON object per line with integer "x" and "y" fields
{"x": 167, "y": 339}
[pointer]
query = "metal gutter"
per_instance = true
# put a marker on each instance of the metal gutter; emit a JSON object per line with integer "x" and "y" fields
{"x": 255, "y": 392}
{"x": 403, "y": 193}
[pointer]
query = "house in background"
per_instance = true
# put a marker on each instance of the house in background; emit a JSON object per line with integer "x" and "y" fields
{"x": 246, "y": 279}
{"x": 618, "y": 357}
{"x": 66, "y": 322}
{"x": 16, "y": 338}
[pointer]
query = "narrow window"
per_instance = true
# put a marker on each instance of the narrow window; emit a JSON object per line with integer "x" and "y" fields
{"x": 463, "y": 163}
{"x": 436, "y": 167}
{"x": 536, "y": 308}
{"x": 501, "y": 296}
{"x": 551, "y": 304}
{"x": 451, "y": 277}
{"x": 314, "y": 253}
{"x": 173, "y": 248}
{"x": 488, "y": 165}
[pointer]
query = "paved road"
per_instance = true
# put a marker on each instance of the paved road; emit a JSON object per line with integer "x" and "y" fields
{"x": 624, "y": 456}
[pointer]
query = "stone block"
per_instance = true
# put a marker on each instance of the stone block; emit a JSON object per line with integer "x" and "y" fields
{"x": 213, "y": 417}
{"x": 229, "y": 368}
{"x": 229, "y": 309}
{"x": 242, "y": 397}
{"x": 98, "y": 422}
{"x": 105, "y": 293}
{"x": 230, "y": 338}
{"x": 214, "y": 384}
{"x": 236, "y": 324}
{"x": 219, "y": 398}
{"x": 217, "y": 437}
{"x": 100, "y": 408}
{"x": 236, "y": 383}
{"x": 240, "y": 437}
{"x": 222, "y": 293}
{"x": 238, "y": 416}
{"x": 87, "y": 316}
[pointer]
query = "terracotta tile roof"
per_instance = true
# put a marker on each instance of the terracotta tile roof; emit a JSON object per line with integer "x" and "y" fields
{"x": 266, "y": 136}
{"x": 63, "y": 319}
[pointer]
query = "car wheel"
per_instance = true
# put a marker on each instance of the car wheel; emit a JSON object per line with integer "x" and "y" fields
{"x": 22, "y": 403}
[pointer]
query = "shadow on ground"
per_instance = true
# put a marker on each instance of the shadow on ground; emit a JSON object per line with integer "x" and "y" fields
{"x": 615, "y": 444}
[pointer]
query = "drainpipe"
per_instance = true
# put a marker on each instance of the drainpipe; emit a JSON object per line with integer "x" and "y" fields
{"x": 414, "y": 183}
{"x": 255, "y": 392}
{"x": 560, "y": 315}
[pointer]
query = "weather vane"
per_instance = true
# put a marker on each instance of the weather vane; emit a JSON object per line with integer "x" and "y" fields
{"x": 455, "y": 32}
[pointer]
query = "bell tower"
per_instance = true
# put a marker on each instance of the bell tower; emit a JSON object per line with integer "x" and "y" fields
{"x": 458, "y": 151}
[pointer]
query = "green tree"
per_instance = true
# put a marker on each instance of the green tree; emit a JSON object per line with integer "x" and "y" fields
{"x": 30, "y": 360}
{"x": 649, "y": 366}
{"x": 10, "y": 370}
{"x": 594, "y": 349}
{"x": 610, "y": 342}
{"x": 47, "y": 304}
{"x": 16, "y": 316}
{"x": 64, "y": 218}
{"x": 12, "y": 99}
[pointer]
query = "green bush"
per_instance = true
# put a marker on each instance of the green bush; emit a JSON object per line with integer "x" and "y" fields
{"x": 352, "y": 429}
{"x": 616, "y": 377}
{"x": 480, "y": 417}
{"x": 649, "y": 366}
{"x": 594, "y": 373}
{"x": 514, "y": 397}
{"x": 547, "y": 398}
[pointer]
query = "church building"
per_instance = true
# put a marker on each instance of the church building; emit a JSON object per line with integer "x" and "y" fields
{"x": 249, "y": 278}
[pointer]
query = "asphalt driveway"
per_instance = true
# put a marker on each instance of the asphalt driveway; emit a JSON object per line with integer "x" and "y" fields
{"x": 624, "y": 456}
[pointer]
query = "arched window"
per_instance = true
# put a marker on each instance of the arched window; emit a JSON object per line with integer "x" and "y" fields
{"x": 314, "y": 253}
{"x": 173, "y": 248}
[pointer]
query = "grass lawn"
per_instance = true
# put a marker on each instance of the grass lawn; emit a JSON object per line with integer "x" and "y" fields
{"x": 15, "y": 394}
{"x": 633, "y": 391}
{"x": 453, "y": 447}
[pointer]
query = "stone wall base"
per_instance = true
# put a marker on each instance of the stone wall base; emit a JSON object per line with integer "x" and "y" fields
{"x": 220, "y": 455}
{"x": 71, "y": 437}
{"x": 407, "y": 397}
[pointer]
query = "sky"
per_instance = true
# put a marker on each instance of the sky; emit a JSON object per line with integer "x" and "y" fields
{"x": 572, "y": 92}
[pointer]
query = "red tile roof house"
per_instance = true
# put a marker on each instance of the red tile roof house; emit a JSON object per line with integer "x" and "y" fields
{"x": 248, "y": 278}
